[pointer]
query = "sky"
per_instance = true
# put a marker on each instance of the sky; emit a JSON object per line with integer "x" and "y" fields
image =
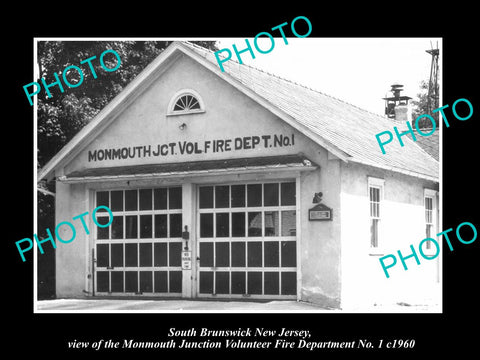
{"x": 357, "y": 70}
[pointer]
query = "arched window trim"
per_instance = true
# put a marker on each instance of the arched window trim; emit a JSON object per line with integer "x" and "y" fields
{"x": 178, "y": 95}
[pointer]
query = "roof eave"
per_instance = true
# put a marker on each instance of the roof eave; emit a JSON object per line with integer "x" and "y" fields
{"x": 399, "y": 170}
{"x": 173, "y": 174}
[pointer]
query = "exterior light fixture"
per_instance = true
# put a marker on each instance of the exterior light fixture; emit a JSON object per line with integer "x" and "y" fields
{"x": 317, "y": 198}
{"x": 186, "y": 237}
{"x": 183, "y": 126}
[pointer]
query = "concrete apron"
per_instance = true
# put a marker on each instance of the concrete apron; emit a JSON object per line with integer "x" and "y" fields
{"x": 170, "y": 305}
{"x": 151, "y": 305}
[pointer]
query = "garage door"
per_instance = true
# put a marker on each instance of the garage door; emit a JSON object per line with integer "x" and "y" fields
{"x": 247, "y": 240}
{"x": 140, "y": 252}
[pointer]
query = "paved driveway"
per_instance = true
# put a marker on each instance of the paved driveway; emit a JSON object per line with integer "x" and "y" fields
{"x": 144, "y": 305}
{"x": 171, "y": 305}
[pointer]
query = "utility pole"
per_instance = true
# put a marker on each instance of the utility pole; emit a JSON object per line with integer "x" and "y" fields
{"x": 433, "y": 96}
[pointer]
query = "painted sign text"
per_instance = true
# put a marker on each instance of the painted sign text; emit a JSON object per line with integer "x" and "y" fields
{"x": 196, "y": 147}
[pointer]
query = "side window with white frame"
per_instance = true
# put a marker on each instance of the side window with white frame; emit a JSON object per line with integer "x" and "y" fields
{"x": 431, "y": 209}
{"x": 376, "y": 193}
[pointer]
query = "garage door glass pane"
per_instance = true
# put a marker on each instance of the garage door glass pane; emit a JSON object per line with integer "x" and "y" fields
{"x": 145, "y": 199}
{"x": 117, "y": 227}
{"x": 288, "y": 194}
{"x": 175, "y": 225}
{"x": 222, "y": 195}
{"x": 222, "y": 282}
{"x": 145, "y": 254}
{"x": 289, "y": 223}
{"x": 117, "y": 200}
{"x": 130, "y": 200}
{"x": 102, "y": 255}
{"x": 254, "y": 282}
{"x": 255, "y": 223}
{"x": 161, "y": 227}
{"x": 238, "y": 282}
{"x": 103, "y": 281}
{"x": 254, "y": 257}
{"x": 271, "y": 254}
{"x": 238, "y": 224}
{"x": 222, "y": 224}
{"x": 175, "y": 198}
{"x": 206, "y": 254}
{"x": 272, "y": 223}
{"x": 289, "y": 254}
{"x": 131, "y": 225}
{"x": 238, "y": 195}
{"x": 222, "y": 254}
{"x": 254, "y": 195}
{"x": 131, "y": 255}
{"x": 238, "y": 254}
{"x": 146, "y": 283}
{"x": 117, "y": 255}
{"x": 102, "y": 200}
{"x": 175, "y": 254}
{"x": 161, "y": 281}
{"x": 175, "y": 281}
{"x": 160, "y": 255}
{"x": 270, "y": 195}
{"x": 206, "y": 282}
{"x": 206, "y": 197}
{"x": 145, "y": 226}
{"x": 131, "y": 281}
{"x": 271, "y": 281}
{"x": 206, "y": 225}
{"x": 289, "y": 283}
{"x": 160, "y": 198}
{"x": 103, "y": 232}
{"x": 117, "y": 281}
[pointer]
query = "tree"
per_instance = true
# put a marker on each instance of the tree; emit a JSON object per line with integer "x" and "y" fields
{"x": 62, "y": 115}
{"x": 420, "y": 106}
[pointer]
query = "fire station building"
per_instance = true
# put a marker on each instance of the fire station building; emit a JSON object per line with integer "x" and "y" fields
{"x": 241, "y": 185}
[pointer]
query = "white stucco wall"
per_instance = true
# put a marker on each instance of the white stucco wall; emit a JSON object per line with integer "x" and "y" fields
{"x": 402, "y": 223}
{"x": 320, "y": 245}
{"x": 72, "y": 261}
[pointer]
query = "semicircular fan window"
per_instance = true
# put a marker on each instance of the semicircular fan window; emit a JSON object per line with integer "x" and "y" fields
{"x": 186, "y": 103}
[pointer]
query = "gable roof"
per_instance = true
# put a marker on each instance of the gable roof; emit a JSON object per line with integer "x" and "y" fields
{"x": 345, "y": 130}
{"x": 430, "y": 144}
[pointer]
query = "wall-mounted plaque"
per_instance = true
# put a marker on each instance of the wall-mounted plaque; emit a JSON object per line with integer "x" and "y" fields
{"x": 320, "y": 212}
